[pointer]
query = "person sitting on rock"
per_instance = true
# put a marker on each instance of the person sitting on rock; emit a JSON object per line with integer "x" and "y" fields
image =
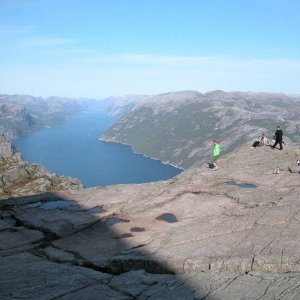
{"x": 261, "y": 142}
{"x": 216, "y": 153}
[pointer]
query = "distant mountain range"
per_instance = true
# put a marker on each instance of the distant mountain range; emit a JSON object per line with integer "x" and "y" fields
{"x": 23, "y": 114}
{"x": 178, "y": 127}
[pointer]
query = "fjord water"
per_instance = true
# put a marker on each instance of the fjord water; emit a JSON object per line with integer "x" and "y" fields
{"x": 73, "y": 149}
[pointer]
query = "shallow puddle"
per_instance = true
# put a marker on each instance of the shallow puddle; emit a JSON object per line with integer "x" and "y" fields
{"x": 167, "y": 217}
{"x": 242, "y": 185}
{"x": 137, "y": 229}
{"x": 112, "y": 221}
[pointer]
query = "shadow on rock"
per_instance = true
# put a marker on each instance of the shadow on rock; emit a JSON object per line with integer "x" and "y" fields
{"x": 54, "y": 248}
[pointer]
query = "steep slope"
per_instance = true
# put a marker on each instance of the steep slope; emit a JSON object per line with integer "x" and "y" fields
{"x": 178, "y": 127}
{"x": 18, "y": 177}
{"x": 229, "y": 234}
{"x": 22, "y": 114}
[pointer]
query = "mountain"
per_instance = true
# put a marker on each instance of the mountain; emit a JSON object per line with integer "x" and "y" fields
{"x": 226, "y": 234}
{"x": 18, "y": 177}
{"x": 179, "y": 127}
{"x": 117, "y": 106}
{"x": 23, "y": 114}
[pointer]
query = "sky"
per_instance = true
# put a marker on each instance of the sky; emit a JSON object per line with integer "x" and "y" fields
{"x": 101, "y": 48}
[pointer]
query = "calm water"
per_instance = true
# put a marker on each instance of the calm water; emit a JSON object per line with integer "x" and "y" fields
{"x": 73, "y": 149}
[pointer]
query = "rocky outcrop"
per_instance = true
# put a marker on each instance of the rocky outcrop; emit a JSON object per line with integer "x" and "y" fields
{"x": 18, "y": 177}
{"x": 178, "y": 128}
{"x": 226, "y": 234}
{"x": 7, "y": 149}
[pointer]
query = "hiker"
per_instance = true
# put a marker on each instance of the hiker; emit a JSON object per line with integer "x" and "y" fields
{"x": 278, "y": 138}
{"x": 262, "y": 141}
{"x": 216, "y": 153}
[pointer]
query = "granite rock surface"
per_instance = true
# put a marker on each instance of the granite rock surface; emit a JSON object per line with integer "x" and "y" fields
{"x": 226, "y": 234}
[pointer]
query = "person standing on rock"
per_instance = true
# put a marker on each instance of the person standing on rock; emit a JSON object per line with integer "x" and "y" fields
{"x": 278, "y": 138}
{"x": 216, "y": 153}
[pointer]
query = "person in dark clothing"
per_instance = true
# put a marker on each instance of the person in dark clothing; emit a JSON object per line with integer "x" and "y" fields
{"x": 278, "y": 138}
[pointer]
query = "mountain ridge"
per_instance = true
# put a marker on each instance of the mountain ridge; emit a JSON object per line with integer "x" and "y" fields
{"x": 179, "y": 127}
{"x": 22, "y": 114}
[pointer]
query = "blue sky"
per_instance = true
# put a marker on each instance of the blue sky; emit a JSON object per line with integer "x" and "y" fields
{"x": 93, "y": 48}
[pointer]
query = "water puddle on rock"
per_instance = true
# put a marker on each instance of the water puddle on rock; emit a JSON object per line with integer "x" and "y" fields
{"x": 112, "y": 221}
{"x": 167, "y": 217}
{"x": 242, "y": 185}
{"x": 137, "y": 229}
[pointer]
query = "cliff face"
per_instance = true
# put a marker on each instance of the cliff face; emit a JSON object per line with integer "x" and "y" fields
{"x": 179, "y": 127}
{"x": 226, "y": 234}
{"x": 18, "y": 177}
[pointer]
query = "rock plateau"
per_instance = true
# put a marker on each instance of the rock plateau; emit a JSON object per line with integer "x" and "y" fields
{"x": 226, "y": 234}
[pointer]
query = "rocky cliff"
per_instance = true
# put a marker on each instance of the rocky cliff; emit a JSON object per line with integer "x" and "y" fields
{"x": 18, "y": 177}
{"x": 178, "y": 127}
{"x": 226, "y": 234}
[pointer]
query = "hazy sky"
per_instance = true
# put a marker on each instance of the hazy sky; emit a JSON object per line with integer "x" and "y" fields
{"x": 97, "y": 48}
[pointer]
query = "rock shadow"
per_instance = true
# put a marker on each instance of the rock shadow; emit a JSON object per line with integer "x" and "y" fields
{"x": 53, "y": 247}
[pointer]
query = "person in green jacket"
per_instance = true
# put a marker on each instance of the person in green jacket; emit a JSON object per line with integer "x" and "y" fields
{"x": 216, "y": 153}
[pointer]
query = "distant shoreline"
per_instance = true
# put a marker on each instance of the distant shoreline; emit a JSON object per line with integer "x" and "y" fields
{"x": 163, "y": 162}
